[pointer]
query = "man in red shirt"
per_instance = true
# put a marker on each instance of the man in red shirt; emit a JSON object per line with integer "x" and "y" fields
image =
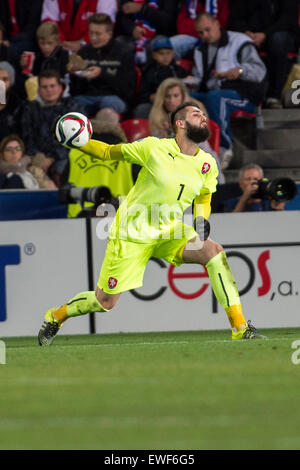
{"x": 72, "y": 17}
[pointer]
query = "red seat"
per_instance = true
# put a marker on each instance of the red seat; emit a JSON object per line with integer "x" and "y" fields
{"x": 214, "y": 138}
{"x": 242, "y": 114}
{"x": 138, "y": 78}
{"x": 186, "y": 64}
{"x": 135, "y": 129}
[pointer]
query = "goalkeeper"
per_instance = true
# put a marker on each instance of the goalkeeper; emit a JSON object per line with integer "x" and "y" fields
{"x": 175, "y": 173}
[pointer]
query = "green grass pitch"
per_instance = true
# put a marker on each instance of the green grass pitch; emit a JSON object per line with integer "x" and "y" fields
{"x": 179, "y": 390}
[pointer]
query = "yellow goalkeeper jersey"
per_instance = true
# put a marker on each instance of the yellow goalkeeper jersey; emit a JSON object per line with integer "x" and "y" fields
{"x": 167, "y": 184}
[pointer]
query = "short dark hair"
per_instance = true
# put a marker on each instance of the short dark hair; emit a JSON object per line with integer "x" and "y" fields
{"x": 102, "y": 18}
{"x": 181, "y": 111}
{"x": 49, "y": 74}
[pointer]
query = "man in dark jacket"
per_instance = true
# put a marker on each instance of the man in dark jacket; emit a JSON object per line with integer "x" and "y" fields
{"x": 273, "y": 27}
{"x": 230, "y": 76}
{"x": 109, "y": 78}
{"x": 140, "y": 21}
{"x": 37, "y": 120}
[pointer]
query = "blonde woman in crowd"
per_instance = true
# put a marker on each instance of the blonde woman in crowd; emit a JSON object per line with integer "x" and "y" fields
{"x": 171, "y": 93}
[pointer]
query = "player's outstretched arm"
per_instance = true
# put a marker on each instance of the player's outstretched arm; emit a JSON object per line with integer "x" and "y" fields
{"x": 74, "y": 130}
{"x": 102, "y": 150}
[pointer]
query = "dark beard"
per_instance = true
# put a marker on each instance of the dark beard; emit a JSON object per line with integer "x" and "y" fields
{"x": 196, "y": 134}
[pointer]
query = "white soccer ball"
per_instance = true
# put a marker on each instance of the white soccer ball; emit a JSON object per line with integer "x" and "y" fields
{"x": 73, "y": 130}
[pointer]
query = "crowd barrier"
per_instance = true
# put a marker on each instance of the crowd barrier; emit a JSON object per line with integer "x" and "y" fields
{"x": 44, "y": 204}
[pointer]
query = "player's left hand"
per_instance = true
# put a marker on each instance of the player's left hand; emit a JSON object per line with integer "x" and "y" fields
{"x": 202, "y": 227}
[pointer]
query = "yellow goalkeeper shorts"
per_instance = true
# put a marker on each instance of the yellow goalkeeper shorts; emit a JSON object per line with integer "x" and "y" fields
{"x": 125, "y": 262}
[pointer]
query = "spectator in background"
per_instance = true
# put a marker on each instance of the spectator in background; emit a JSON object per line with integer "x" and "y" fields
{"x": 248, "y": 202}
{"x": 37, "y": 120}
{"x": 229, "y": 76}
{"x": 21, "y": 19}
{"x": 14, "y": 161}
{"x": 161, "y": 66}
{"x": 10, "y": 108}
{"x": 171, "y": 93}
{"x": 8, "y": 54}
{"x": 72, "y": 16}
{"x": 107, "y": 124}
{"x": 109, "y": 78}
{"x": 273, "y": 27}
{"x": 50, "y": 55}
{"x": 140, "y": 20}
{"x": 187, "y": 37}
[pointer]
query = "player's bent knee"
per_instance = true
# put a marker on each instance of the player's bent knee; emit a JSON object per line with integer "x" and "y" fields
{"x": 211, "y": 249}
{"x": 108, "y": 301}
{"x": 107, "y": 305}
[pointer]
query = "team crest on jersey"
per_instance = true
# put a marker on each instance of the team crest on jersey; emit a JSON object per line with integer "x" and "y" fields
{"x": 205, "y": 168}
{"x": 112, "y": 282}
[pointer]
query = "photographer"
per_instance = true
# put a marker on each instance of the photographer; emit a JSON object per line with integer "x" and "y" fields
{"x": 249, "y": 177}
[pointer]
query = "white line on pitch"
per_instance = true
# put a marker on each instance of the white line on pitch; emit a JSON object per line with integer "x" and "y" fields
{"x": 144, "y": 343}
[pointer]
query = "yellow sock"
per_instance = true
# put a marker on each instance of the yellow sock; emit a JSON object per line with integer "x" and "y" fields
{"x": 236, "y": 317}
{"x": 60, "y": 314}
{"x": 81, "y": 304}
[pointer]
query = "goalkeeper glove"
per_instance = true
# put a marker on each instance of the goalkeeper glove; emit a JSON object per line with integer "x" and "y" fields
{"x": 202, "y": 227}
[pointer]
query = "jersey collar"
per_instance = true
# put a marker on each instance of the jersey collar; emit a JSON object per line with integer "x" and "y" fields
{"x": 178, "y": 149}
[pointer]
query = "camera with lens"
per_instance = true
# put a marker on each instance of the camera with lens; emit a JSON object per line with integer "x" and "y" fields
{"x": 280, "y": 189}
{"x": 70, "y": 194}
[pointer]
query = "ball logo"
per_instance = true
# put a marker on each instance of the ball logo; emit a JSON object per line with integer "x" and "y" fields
{"x": 205, "y": 168}
{"x": 112, "y": 282}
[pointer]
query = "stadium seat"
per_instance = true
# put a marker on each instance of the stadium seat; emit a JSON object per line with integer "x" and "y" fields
{"x": 242, "y": 114}
{"x": 245, "y": 115}
{"x": 214, "y": 138}
{"x": 135, "y": 128}
{"x": 291, "y": 55}
{"x": 186, "y": 64}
